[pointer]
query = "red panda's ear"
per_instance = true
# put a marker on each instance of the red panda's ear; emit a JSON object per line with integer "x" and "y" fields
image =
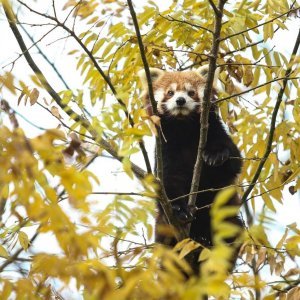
{"x": 154, "y": 73}
{"x": 203, "y": 72}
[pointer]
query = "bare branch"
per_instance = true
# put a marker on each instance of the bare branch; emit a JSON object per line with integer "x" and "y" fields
{"x": 34, "y": 44}
{"x": 164, "y": 201}
{"x": 54, "y": 8}
{"x": 206, "y": 102}
{"x": 220, "y": 189}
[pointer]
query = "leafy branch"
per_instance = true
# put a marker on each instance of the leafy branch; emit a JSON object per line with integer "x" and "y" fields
{"x": 172, "y": 19}
{"x": 99, "y": 69}
{"x": 15, "y": 256}
{"x": 259, "y": 25}
{"x": 44, "y": 82}
{"x": 257, "y": 87}
{"x": 273, "y": 121}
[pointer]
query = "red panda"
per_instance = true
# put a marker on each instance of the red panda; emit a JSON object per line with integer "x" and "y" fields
{"x": 178, "y": 96}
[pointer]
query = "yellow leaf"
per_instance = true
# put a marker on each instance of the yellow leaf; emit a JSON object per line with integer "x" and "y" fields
{"x": 69, "y": 3}
{"x": 294, "y": 294}
{"x": 189, "y": 247}
{"x": 23, "y": 239}
{"x": 204, "y": 255}
{"x": 55, "y": 112}
{"x": 3, "y": 252}
{"x": 127, "y": 167}
{"x": 34, "y": 95}
{"x": 248, "y": 78}
{"x": 292, "y": 272}
{"x": 282, "y": 240}
{"x": 268, "y": 202}
{"x": 223, "y": 197}
{"x": 181, "y": 244}
{"x": 155, "y": 119}
{"x": 261, "y": 257}
{"x": 8, "y": 81}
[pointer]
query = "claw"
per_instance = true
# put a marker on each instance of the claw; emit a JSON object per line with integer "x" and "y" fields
{"x": 216, "y": 158}
{"x": 183, "y": 214}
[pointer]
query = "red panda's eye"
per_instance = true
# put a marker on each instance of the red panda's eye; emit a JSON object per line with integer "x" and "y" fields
{"x": 191, "y": 93}
{"x": 170, "y": 93}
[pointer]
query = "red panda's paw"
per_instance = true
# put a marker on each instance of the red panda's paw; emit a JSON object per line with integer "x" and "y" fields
{"x": 215, "y": 158}
{"x": 182, "y": 213}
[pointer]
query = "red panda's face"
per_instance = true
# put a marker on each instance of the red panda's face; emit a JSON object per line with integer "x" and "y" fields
{"x": 177, "y": 94}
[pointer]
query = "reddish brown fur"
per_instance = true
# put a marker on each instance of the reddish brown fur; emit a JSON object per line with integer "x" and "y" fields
{"x": 180, "y": 78}
{"x": 165, "y": 80}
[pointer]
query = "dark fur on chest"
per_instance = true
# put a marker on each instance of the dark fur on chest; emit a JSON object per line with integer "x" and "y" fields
{"x": 221, "y": 166}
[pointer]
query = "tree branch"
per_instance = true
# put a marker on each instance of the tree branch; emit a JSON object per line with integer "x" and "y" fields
{"x": 164, "y": 201}
{"x": 101, "y": 72}
{"x": 294, "y": 284}
{"x": 254, "y": 88}
{"x": 259, "y": 25}
{"x": 218, "y": 12}
{"x": 206, "y": 102}
{"x": 46, "y": 58}
{"x": 260, "y": 41}
{"x": 15, "y": 256}
{"x": 103, "y": 143}
{"x": 171, "y": 19}
{"x": 273, "y": 121}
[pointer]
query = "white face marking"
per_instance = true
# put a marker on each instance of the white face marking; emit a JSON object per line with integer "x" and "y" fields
{"x": 188, "y": 86}
{"x": 159, "y": 97}
{"x": 173, "y": 87}
{"x": 201, "y": 92}
{"x": 189, "y": 106}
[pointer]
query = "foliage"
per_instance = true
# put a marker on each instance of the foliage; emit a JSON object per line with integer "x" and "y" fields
{"x": 100, "y": 242}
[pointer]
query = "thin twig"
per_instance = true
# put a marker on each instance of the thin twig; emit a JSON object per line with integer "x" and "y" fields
{"x": 220, "y": 189}
{"x": 171, "y": 19}
{"x": 256, "y": 87}
{"x": 294, "y": 284}
{"x": 46, "y": 58}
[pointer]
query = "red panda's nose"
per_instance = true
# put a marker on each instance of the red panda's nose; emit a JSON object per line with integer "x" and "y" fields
{"x": 180, "y": 101}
